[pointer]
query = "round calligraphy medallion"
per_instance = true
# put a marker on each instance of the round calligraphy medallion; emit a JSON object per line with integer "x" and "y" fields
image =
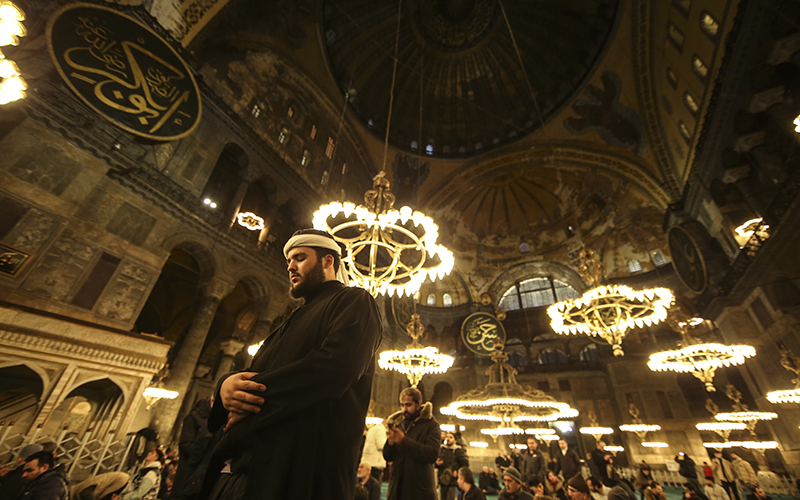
{"x": 480, "y": 331}
{"x": 687, "y": 259}
{"x": 124, "y": 71}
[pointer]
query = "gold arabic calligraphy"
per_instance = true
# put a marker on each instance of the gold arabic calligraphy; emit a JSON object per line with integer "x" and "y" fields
{"x": 481, "y": 333}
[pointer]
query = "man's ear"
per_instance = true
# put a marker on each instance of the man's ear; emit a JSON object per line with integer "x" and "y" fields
{"x": 327, "y": 261}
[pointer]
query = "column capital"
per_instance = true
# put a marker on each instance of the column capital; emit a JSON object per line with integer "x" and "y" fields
{"x": 231, "y": 347}
{"x": 217, "y": 289}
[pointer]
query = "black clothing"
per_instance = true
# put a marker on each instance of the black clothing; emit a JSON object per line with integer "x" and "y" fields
{"x": 194, "y": 445}
{"x": 752, "y": 496}
{"x": 600, "y": 463}
{"x": 374, "y": 488}
{"x": 568, "y": 463}
{"x": 414, "y": 456}
{"x": 474, "y": 493}
{"x": 49, "y": 485}
{"x": 503, "y": 463}
{"x": 533, "y": 465}
{"x": 452, "y": 460}
{"x": 12, "y": 485}
{"x": 521, "y": 495}
{"x": 318, "y": 368}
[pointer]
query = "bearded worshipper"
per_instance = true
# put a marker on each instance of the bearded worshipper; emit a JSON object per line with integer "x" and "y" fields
{"x": 293, "y": 422}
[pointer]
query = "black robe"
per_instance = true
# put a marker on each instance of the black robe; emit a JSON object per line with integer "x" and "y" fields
{"x": 317, "y": 368}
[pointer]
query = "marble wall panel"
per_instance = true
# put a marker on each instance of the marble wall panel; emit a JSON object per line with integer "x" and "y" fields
{"x": 131, "y": 224}
{"x": 33, "y": 231}
{"x": 46, "y": 168}
{"x": 58, "y": 271}
{"x": 127, "y": 290}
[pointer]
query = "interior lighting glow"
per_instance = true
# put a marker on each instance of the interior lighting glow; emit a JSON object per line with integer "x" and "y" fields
{"x": 479, "y": 444}
{"x": 747, "y": 229}
{"x": 787, "y": 396}
{"x": 639, "y": 427}
{"x": 596, "y": 430}
{"x": 374, "y": 420}
{"x": 745, "y": 416}
{"x": 750, "y": 445}
{"x": 415, "y": 363}
{"x": 614, "y": 448}
{"x": 253, "y": 349}
{"x": 538, "y": 431}
{"x": 250, "y": 220}
{"x": 701, "y": 360}
{"x": 721, "y": 426}
{"x": 159, "y": 393}
{"x": 654, "y": 444}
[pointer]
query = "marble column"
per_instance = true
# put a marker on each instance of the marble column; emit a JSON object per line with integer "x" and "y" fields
{"x": 230, "y": 348}
{"x": 183, "y": 366}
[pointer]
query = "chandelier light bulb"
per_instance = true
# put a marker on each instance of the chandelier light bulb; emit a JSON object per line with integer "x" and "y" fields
{"x": 750, "y": 445}
{"x": 596, "y": 431}
{"x": 655, "y": 444}
{"x": 786, "y": 396}
{"x": 745, "y": 416}
{"x": 614, "y": 448}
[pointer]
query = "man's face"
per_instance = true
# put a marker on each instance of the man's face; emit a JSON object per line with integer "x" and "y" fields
{"x": 532, "y": 444}
{"x": 601, "y": 445}
{"x": 409, "y": 406}
{"x": 594, "y": 487}
{"x": 485, "y": 470}
{"x": 460, "y": 482}
{"x": 449, "y": 439}
{"x": 151, "y": 457}
{"x": 511, "y": 485}
{"x": 362, "y": 471}
{"x": 32, "y": 470}
{"x": 538, "y": 490}
{"x": 305, "y": 271}
{"x": 687, "y": 492}
{"x": 709, "y": 482}
{"x": 562, "y": 444}
{"x": 575, "y": 494}
{"x": 759, "y": 493}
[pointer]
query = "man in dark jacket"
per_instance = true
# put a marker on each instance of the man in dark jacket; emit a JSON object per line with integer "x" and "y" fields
{"x": 451, "y": 459}
{"x": 294, "y": 421}
{"x": 44, "y": 483}
{"x": 568, "y": 462}
{"x": 192, "y": 446}
{"x": 688, "y": 470}
{"x": 11, "y": 483}
{"x": 533, "y": 464}
{"x": 412, "y": 447}
{"x": 466, "y": 483}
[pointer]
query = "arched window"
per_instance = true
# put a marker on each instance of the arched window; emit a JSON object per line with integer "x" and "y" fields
{"x": 414, "y": 145}
{"x": 516, "y": 360}
{"x": 431, "y": 299}
{"x": 675, "y": 36}
{"x": 553, "y": 356}
{"x": 672, "y": 78}
{"x": 536, "y": 292}
{"x": 447, "y": 300}
{"x": 589, "y": 353}
{"x": 687, "y": 135}
{"x": 429, "y": 149}
{"x": 690, "y": 103}
{"x": 634, "y": 266}
{"x": 658, "y": 258}
{"x": 709, "y": 25}
{"x": 699, "y": 67}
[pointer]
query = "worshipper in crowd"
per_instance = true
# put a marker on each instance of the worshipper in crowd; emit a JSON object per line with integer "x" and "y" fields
{"x": 502, "y": 461}
{"x": 167, "y": 479}
{"x": 597, "y": 489}
{"x": 412, "y": 446}
{"x": 569, "y": 463}
{"x": 654, "y": 491}
{"x": 107, "y": 486}
{"x": 512, "y": 480}
{"x": 360, "y": 493}
{"x": 533, "y": 463}
{"x": 366, "y": 480}
{"x": 707, "y": 470}
{"x": 620, "y": 491}
{"x": 554, "y": 485}
{"x": 451, "y": 459}
{"x": 744, "y": 472}
{"x": 11, "y": 482}
{"x": 687, "y": 469}
{"x": 723, "y": 472}
{"x": 516, "y": 459}
{"x": 147, "y": 481}
{"x": 715, "y": 491}
{"x": 193, "y": 445}
{"x": 373, "y": 449}
{"x": 601, "y": 460}
{"x": 643, "y": 478}
{"x": 466, "y": 483}
{"x": 578, "y": 488}
{"x": 538, "y": 489}
{"x": 42, "y": 481}
{"x": 758, "y": 494}
{"x": 692, "y": 492}
{"x": 487, "y": 481}
{"x": 299, "y": 410}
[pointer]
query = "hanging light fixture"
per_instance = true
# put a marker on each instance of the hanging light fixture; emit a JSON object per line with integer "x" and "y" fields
{"x": 387, "y": 251}
{"x": 12, "y": 85}
{"x": 594, "y": 429}
{"x": 700, "y": 359}
{"x": 505, "y": 401}
{"x": 415, "y": 361}
{"x": 153, "y": 395}
{"x": 724, "y": 429}
{"x": 655, "y": 444}
{"x": 638, "y": 427}
{"x": 608, "y": 311}
{"x": 792, "y": 364}
{"x": 750, "y": 445}
{"x": 741, "y": 413}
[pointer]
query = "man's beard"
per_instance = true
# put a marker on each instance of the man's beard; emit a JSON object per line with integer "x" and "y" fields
{"x": 314, "y": 278}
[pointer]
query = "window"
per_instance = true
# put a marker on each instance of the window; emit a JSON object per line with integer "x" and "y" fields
{"x": 553, "y": 356}
{"x": 516, "y": 360}
{"x": 256, "y": 110}
{"x": 324, "y": 179}
{"x": 447, "y": 300}
{"x": 306, "y": 157}
{"x": 536, "y": 292}
{"x": 284, "y": 136}
{"x": 429, "y": 149}
{"x": 672, "y": 78}
{"x": 634, "y": 266}
{"x": 313, "y": 131}
{"x": 709, "y": 25}
{"x": 431, "y": 299}
{"x": 699, "y": 68}
{"x": 682, "y": 6}
{"x": 589, "y": 353}
{"x": 658, "y": 258}
{"x": 524, "y": 248}
{"x": 675, "y": 36}
{"x": 290, "y": 112}
{"x": 544, "y": 385}
{"x": 329, "y": 149}
{"x": 685, "y": 131}
{"x": 414, "y": 145}
{"x": 564, "y": 385}
{"x": 690, "y": 103}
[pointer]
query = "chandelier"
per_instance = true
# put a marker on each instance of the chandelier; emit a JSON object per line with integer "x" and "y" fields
{"x": 792, "y": 364}
{"x": 416, "y": 361}
{"x": 750, "y": 445}
{"x": 655, "y": 444}
{"x": 153, "y": 395}
{"x": 594, "y": 429}
{"x": 12, "y": 86}
{"x": 505, "y": 401}
{"x": 741, "y": 413}
{"x": 699, "y": 359}
{"x": 608, "y": 311}
{"x": 638, "y": 427}
{"x": 387, "y": 251}
{"x": 724, "y": 429}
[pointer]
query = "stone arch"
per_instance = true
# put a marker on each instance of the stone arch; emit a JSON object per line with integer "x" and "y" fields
{"x": 535, "y": 269}
{"x": 95, "y": 403}
{"x": 257, "y": 284}
{"x": 47, "y": 383}
{"x": 23, "y": 390}
{"x": 223, "y": 181}
{"x": 197, "y": 248}
{"x": 123, "y": 388}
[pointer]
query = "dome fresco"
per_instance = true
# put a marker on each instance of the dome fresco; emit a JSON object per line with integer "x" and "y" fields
{"x": 459, "y": 88}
